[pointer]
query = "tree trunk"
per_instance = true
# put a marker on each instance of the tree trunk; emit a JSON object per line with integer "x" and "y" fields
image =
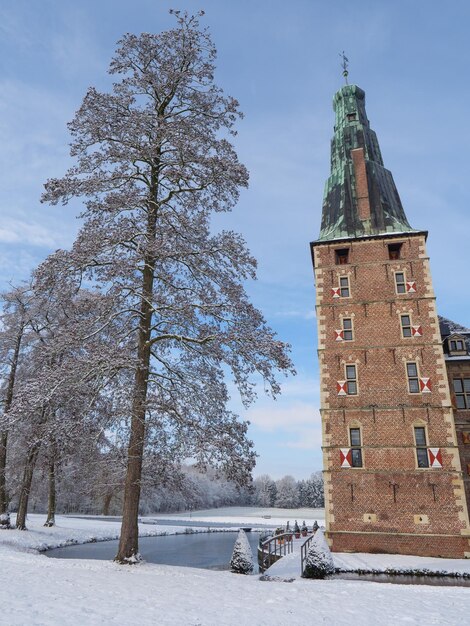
{"x": 4, "y": 433}
{"x": 51, "y": 501}
{"x": 26, "y": 485}
{"x": 107, "y": 503}
{"x": 128, "y": 551}
{"x": 3, "y": 463}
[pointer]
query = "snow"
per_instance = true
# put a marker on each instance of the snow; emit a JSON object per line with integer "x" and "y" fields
{"x": 72, "y": 530}
{"x": 287, "y": 568}
{"x": 40, "y": 591}
{"x": 319, "y": 562}
{"x": 242, "y": 557}
{"x": 383, "y": 563}
{"x": 246, "y": 516}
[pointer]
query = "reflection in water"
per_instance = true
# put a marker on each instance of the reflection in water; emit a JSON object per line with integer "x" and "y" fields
{"x": 205, "y": 550}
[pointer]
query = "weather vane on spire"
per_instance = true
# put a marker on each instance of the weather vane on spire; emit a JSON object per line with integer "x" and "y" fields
{"x": 344, "y": 65}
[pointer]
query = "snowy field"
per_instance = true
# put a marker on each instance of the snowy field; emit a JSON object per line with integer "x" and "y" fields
{"x": 246, "y": 516}
{"x": 37, "y": 590}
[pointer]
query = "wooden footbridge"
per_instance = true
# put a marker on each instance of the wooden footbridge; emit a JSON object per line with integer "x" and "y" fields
{"x": 274, "y": 548}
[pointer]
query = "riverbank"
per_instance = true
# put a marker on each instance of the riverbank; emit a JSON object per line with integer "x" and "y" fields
{"x": 73, "y": 530}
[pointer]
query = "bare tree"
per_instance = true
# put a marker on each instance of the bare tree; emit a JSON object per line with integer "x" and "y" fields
{"x": 265, "y": 490}
{"x": 15, "y": 317}
{"x": 153, "y": 162}
{"x": 286, "y": 493}
{"x": 69, "y": 364}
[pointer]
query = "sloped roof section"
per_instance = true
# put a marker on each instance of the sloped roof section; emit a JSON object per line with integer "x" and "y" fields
{"x": 448, "y": 327}
{"x": 360, "y": 197}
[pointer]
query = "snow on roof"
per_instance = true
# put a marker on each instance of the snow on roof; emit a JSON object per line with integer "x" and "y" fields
{"x": 448, "y": 327}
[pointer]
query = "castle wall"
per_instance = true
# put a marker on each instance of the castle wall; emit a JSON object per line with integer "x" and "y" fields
{"x": 389, "y": 504}
{"x": 461, "y": 369}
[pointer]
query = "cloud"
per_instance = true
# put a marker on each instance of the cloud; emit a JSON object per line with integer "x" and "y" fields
{"x": 291, "y": 417}
{"x": 296, "y": 426}
{"x": 14, "y": 231}
{"x": 305, "y": 315}
{"x": 293, "y": 421}
{"x": 309, "y": 439}
{"x": 16, "y": 264}
{"x": 302, "y": 386}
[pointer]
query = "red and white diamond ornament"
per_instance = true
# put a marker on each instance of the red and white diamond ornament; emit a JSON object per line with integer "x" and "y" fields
{"x": 416, "y": 331}
{"x": 335, "y": 292}
{"x": 339, "y": 335}
{"x": 425, "y": 385}
{"x": 341, "y": 388}
{"x": 435, "y": 457}
{"x": 411, "y": 286}
{"x": 345, "y": 457}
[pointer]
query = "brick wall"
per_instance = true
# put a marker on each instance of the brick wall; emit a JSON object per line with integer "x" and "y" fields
{"x": 362, "y": 188}
{"x": 423, "y": 510}
{"x": 461, "y": 369}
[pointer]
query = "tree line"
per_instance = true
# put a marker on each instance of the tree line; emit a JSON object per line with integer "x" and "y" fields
{"x": 288, "y": 493}
{"x": 116, "y": 353}
{"x": 91, "y": 482}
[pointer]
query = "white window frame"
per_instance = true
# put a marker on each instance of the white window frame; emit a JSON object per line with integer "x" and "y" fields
{"x": 349, "y": 380}
{"x": 397, "y": 284}
{"x": 355, "y": 446}
{"x": 347, "y": 330}
{"x": 406, "y": 326}
{"x": 408, "y": 377}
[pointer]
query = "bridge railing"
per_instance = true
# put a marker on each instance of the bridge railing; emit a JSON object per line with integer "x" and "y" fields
{"x": 274, "y": 548}
{"x": 304, "y": 548}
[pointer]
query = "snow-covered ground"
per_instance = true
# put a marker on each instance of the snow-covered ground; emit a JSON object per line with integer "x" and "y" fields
{"x": 36, "y": 590}
{"x": 71, "y": 530}
{"x": 246, "y": 515}
{"x": 376, "y": 563}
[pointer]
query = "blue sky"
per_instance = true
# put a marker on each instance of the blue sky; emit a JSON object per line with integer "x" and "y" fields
{"x": 280, "y": 60}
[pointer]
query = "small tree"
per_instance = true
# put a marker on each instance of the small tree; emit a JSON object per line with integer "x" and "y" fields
{"x": 242, "y": 556}
{"x": 296, "y": 529}
{"x": 319, "y": 562}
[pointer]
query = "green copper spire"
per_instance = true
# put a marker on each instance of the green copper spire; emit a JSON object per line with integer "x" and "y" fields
{"x": 360, "y": 195}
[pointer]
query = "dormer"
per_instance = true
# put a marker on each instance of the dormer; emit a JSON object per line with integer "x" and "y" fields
{"x": 456, "y": 345}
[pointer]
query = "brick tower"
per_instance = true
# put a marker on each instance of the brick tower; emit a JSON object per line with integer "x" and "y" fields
{"x": 393, "y": 480}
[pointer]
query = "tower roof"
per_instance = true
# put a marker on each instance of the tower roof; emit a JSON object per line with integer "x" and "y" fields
{"x": 360, "y": 196}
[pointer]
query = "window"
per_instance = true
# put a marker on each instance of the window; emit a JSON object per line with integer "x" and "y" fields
{"x": 342, "y": 256}
{"x": 351, "y": 380}
{"x": 462, "y": 392}
{"x": 413, "y": 379}
{"x": 344, "y": 286}
{"x": 456, "y": 345}
{"x": 421, "y": 448}
{"x": 394, "y": 250}
{"x": 406, "y": 326}
{"x": 347, "y": 329}
{"x": 400, "y": 282}
{"x": 351, "y": 117}
{"x": 356, "y": 449}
